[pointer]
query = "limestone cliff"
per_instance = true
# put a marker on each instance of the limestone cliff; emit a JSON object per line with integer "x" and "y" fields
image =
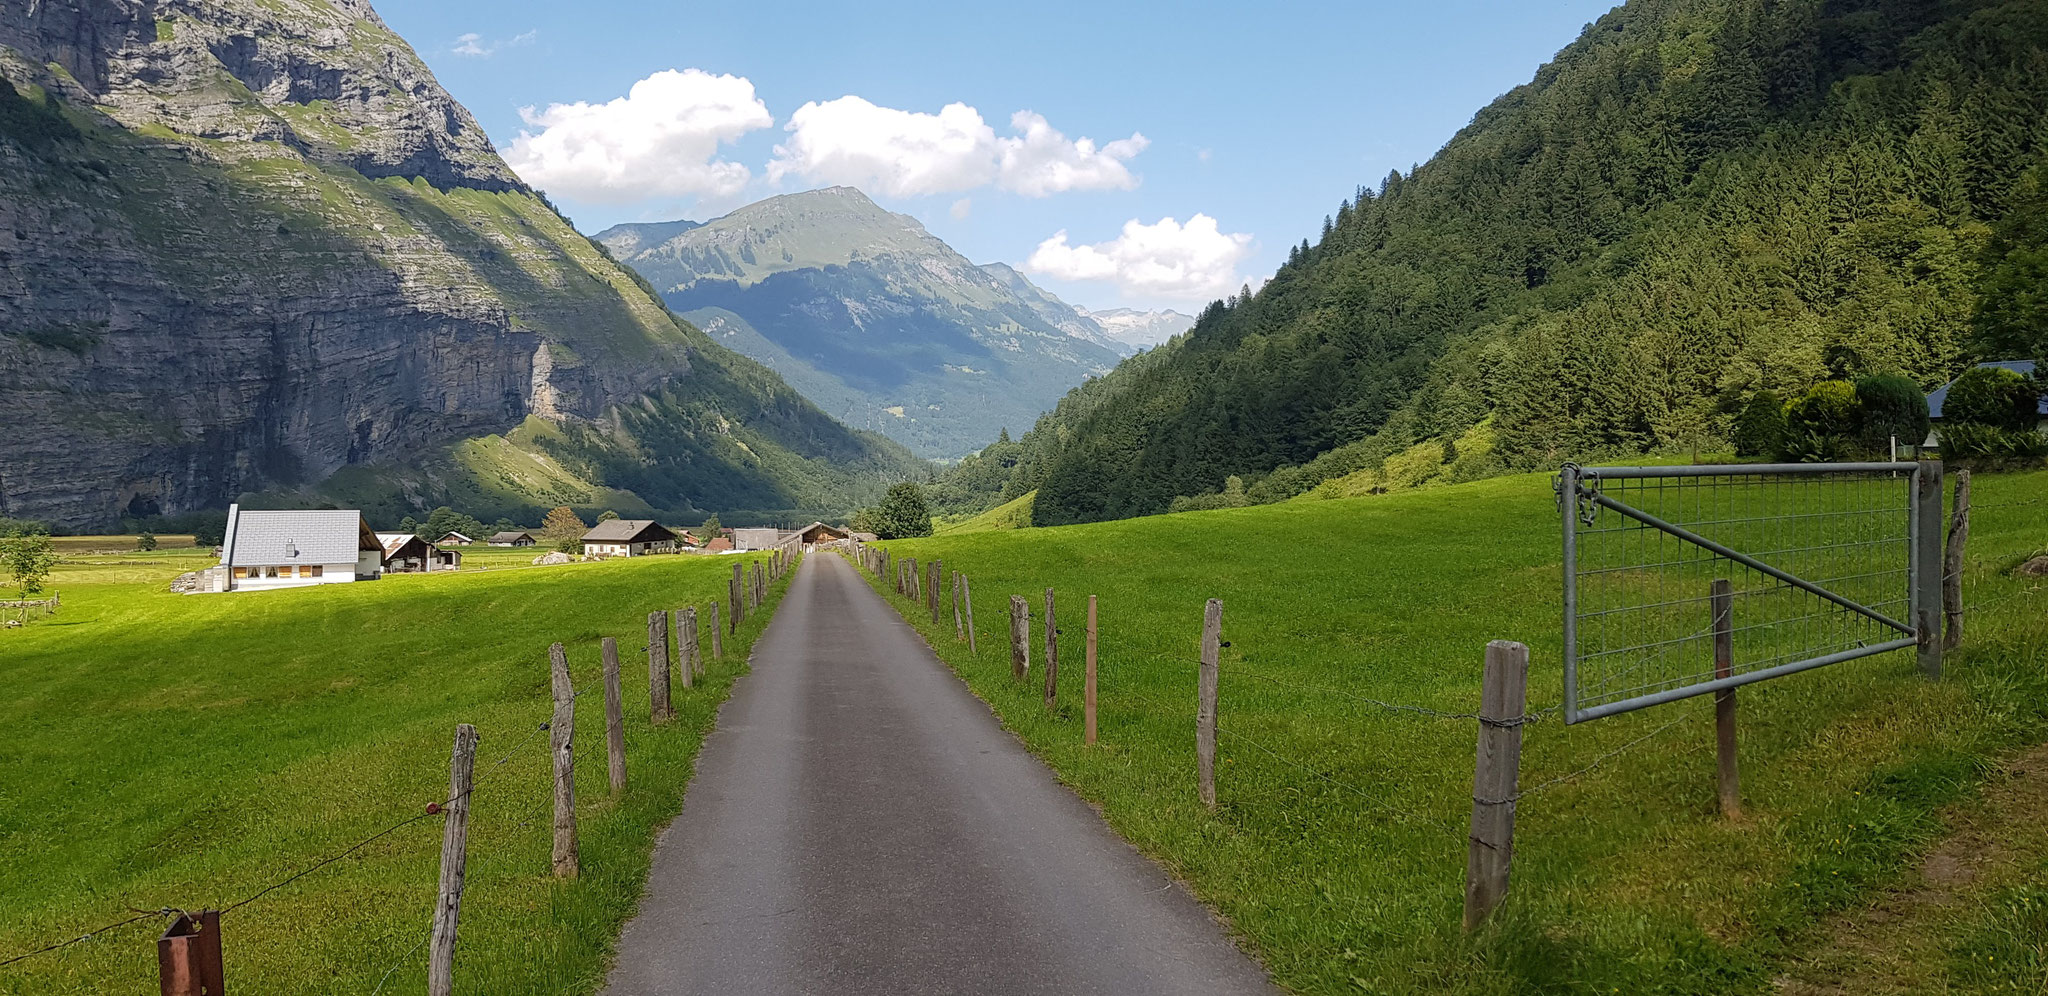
{"x": 245, "y": 244}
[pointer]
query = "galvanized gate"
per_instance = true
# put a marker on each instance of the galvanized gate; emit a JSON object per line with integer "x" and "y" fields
{"x": 1786, "y": 566}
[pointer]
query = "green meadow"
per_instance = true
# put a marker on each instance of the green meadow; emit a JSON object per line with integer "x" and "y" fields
{"x": 1338, "y": 850}
{"x": 191, "y": 750}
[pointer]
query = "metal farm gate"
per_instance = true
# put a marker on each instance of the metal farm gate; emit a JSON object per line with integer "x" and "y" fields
{"x": 1685, "y": 580}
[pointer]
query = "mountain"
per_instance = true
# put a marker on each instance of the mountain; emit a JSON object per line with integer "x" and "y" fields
{"x": 873, "y": 317}
{"x": 1696, "y": 200}
{"x": 251, "y": 247}
{"x": 1135, "y": 330}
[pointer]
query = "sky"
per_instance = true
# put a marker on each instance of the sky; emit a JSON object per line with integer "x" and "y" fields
{"x": 1123, "y": 154}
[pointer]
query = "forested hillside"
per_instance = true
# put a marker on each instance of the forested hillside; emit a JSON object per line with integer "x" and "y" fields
{"x": 1697, "y": 200}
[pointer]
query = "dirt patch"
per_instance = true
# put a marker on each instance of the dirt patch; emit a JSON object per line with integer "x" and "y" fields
{"x": 1896, "y": 945}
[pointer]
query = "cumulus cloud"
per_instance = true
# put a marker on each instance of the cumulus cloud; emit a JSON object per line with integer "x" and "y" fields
{"x": 1196, "y": 261}
{"x": 474, "y": 45}
{"x": 660, "y": 140}
{"x": 901, "y": 153}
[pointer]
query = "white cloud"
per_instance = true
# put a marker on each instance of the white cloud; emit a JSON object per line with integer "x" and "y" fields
{"x": 474, "y": 45}
{"x": 900, "y": 153}
{"x": 660, "y": 140}
{"x": 1193, "y": 262}
{"x": 960, "y": 208}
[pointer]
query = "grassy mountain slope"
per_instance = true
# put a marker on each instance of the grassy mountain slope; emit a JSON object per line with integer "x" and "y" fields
{"x": 1695, "y": 200}
{"x": 255, "y": 245}
{"x": 878, "y": 320}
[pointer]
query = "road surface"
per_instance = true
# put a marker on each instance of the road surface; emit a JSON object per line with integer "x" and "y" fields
{"x": 859, "y": 823}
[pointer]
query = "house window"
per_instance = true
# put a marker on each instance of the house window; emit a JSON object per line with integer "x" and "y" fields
{"x": 312, "y": 571}
{"x": 270, "y": 572}
{"x": 241, "y": 572}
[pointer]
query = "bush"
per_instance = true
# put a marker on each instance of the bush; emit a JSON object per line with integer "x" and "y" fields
{"x": 1965, "y": 441}
{"x": 1892, "y": 407}
{"x": 1760, "y": 428}
{"x": 1820, "y": 423}
{"x": 903, "y": 513}
{"x": 1994, "y": 397}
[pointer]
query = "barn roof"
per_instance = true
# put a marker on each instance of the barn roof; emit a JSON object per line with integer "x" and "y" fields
{"x": 258, "y": 537}
{"x": 628, "y": 531}
{"x": 394, "y": 542}
{"x": 510, "y": 537}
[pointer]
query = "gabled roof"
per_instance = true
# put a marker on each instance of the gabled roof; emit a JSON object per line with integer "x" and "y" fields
{"x": 394, "y": 542}
{"x": 2024, "y": 368}
{"x": 261, "y": 537}
{"x": 455, "y": 537}
{"x": 628, "y": 531}
{"x": 509, "y": 537}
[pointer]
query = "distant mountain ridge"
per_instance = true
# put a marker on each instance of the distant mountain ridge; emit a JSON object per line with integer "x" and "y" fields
{"x": 1134, "y": 330}
{"x": 872, "y": 317}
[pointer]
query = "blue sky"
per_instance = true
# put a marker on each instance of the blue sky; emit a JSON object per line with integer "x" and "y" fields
{"x": 1245, "y": 126}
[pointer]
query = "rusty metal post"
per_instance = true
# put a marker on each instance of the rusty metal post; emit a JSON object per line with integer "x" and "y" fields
{"x": 188, "y": 956}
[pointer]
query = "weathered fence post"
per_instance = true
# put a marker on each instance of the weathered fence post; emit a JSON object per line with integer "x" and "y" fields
{"x": 931, "y": 597}
{"x": 739, "y": 609}
{"x": 1205, "y": 702}
{"x": 967, "y": 602}
{"x": 614, "y": 718}
{"x": 686, "y": 645}
{"x": 1952, "y": 563}
{"x": 188, "y": 955}
{"x": 657, "y": 667}
{"x": 1721, "y": 600}
{"x": 1927, "y": 565}
{"x": 760, "y": 586}
{"x": 916, "y": 591}
{"x": 717, "y": 637}
{"x": 1020, "y": 638}
{"x": 1088, "y": 681}
{"x": 561, "y": 737}
{"x": 455, "y": 858}
{"x": 1495, "y": 777}
{"x": 1052, "y": 653}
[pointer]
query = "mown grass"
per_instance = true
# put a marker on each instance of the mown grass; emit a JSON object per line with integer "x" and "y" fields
{"x": 187, "y": 751}
{"x": 1338, "y": 850}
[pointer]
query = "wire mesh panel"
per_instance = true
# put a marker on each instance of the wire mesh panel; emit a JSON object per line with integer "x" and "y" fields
{"x": 1818, "y": 560}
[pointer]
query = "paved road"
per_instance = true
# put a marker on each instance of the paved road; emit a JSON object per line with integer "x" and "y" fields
{"x": 860, "y": 824}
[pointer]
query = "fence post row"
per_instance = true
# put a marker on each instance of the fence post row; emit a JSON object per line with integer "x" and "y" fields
{"x": 1927, "y": 565}
{"x": 1721, "y": 601}
{"x": 1952, "y": 564}
{"x": 1020, "y": 638}
{"x": 1205, "y": 703}
{"x": 455, "y": 855}
{"x": 614, "y": 718}
{"x": 1052, "y": 652}
{"x": 1088, "y": 681}
{"x": 561, "y": 730}
{"x": 1495, "y": 776}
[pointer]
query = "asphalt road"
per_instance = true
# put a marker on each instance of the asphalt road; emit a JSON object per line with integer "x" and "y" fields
{"x": 859, "y": 823}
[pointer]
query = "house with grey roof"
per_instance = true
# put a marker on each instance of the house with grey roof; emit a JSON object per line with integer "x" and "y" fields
{"x": 628, "y": 538}
{"x": 266, "y": 549}
{"x": 1938, "y": 397}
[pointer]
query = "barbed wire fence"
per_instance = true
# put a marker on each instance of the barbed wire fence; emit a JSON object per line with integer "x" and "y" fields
{"x": 207, "y": 948}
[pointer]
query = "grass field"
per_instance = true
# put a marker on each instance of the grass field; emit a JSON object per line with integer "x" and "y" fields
{"x": 1339, "y": 848}
{"x": 188, "y": 751}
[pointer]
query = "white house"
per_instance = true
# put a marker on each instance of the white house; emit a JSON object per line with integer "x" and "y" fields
{"x": 266, "y": 549}
{"x": 628, "y": 538}
{"x": 766, "y": 538}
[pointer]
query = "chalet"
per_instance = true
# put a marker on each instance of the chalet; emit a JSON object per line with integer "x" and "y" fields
{"x": 717, "y": 544}
{"x": 2024, "y": 368}
{"x": 454, "y": 539}
{"x": 405, "y": 553}
{"x": 514, "y": 538}
{"x": 265, "y": 549}
{"x": 628, "y": 538}
{"x": 818, "y": 532}
{"x": 765, "y": 538}
{"x": 866, "y": 537}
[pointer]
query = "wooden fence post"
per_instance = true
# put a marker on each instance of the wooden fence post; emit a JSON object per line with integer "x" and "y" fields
{"x": 967, "y": 602}
{"x": 686, "y": 645}
{"x": 455, "y": 858}
{"x": 931, "y": 595}
{"x": 1495, "y": 776}
{"x": 739, "y": 609}
{"x": 959, "y": 628}
{"x": 1088, "y": 681}
{"x": 1926, "y": 601}
{"x": 188, "y": 955}
{"x": 1721, "y": 599}
{"x": 614, "y": 718}
{"x": 1052, "y": 653}
{"x": 561, "y": 737}
{"x": 1020, "y": 638}
{"x": 1205, "y": 702}
{"x": 1952, "y": 564}
{"x": 659, "y": 709}
{"x": 717, "y": 637}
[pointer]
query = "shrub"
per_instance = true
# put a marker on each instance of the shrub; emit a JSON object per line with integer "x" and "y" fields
{"x": 1994, "y": 397}
{"x": 902, "y": 514}
{"x": 1965, "y": 441}
{"x": 1760, "y": 428}
{"x": 1821, "y": 421}
{"x": 1892, "y": 407}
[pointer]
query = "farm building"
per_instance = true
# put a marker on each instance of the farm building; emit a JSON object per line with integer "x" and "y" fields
{"x": 405, "y": 553}
{"x": 511, "y": 539}
{"x": 866, "y": 537}
{"x": 265, "y": 549}
{"x": 717, "y": 544}
{"x": 818, "y": 532}
{"x": 628, "y": 538}
{"x": 763, "y": 538}
{"x": 454, "y": 539}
